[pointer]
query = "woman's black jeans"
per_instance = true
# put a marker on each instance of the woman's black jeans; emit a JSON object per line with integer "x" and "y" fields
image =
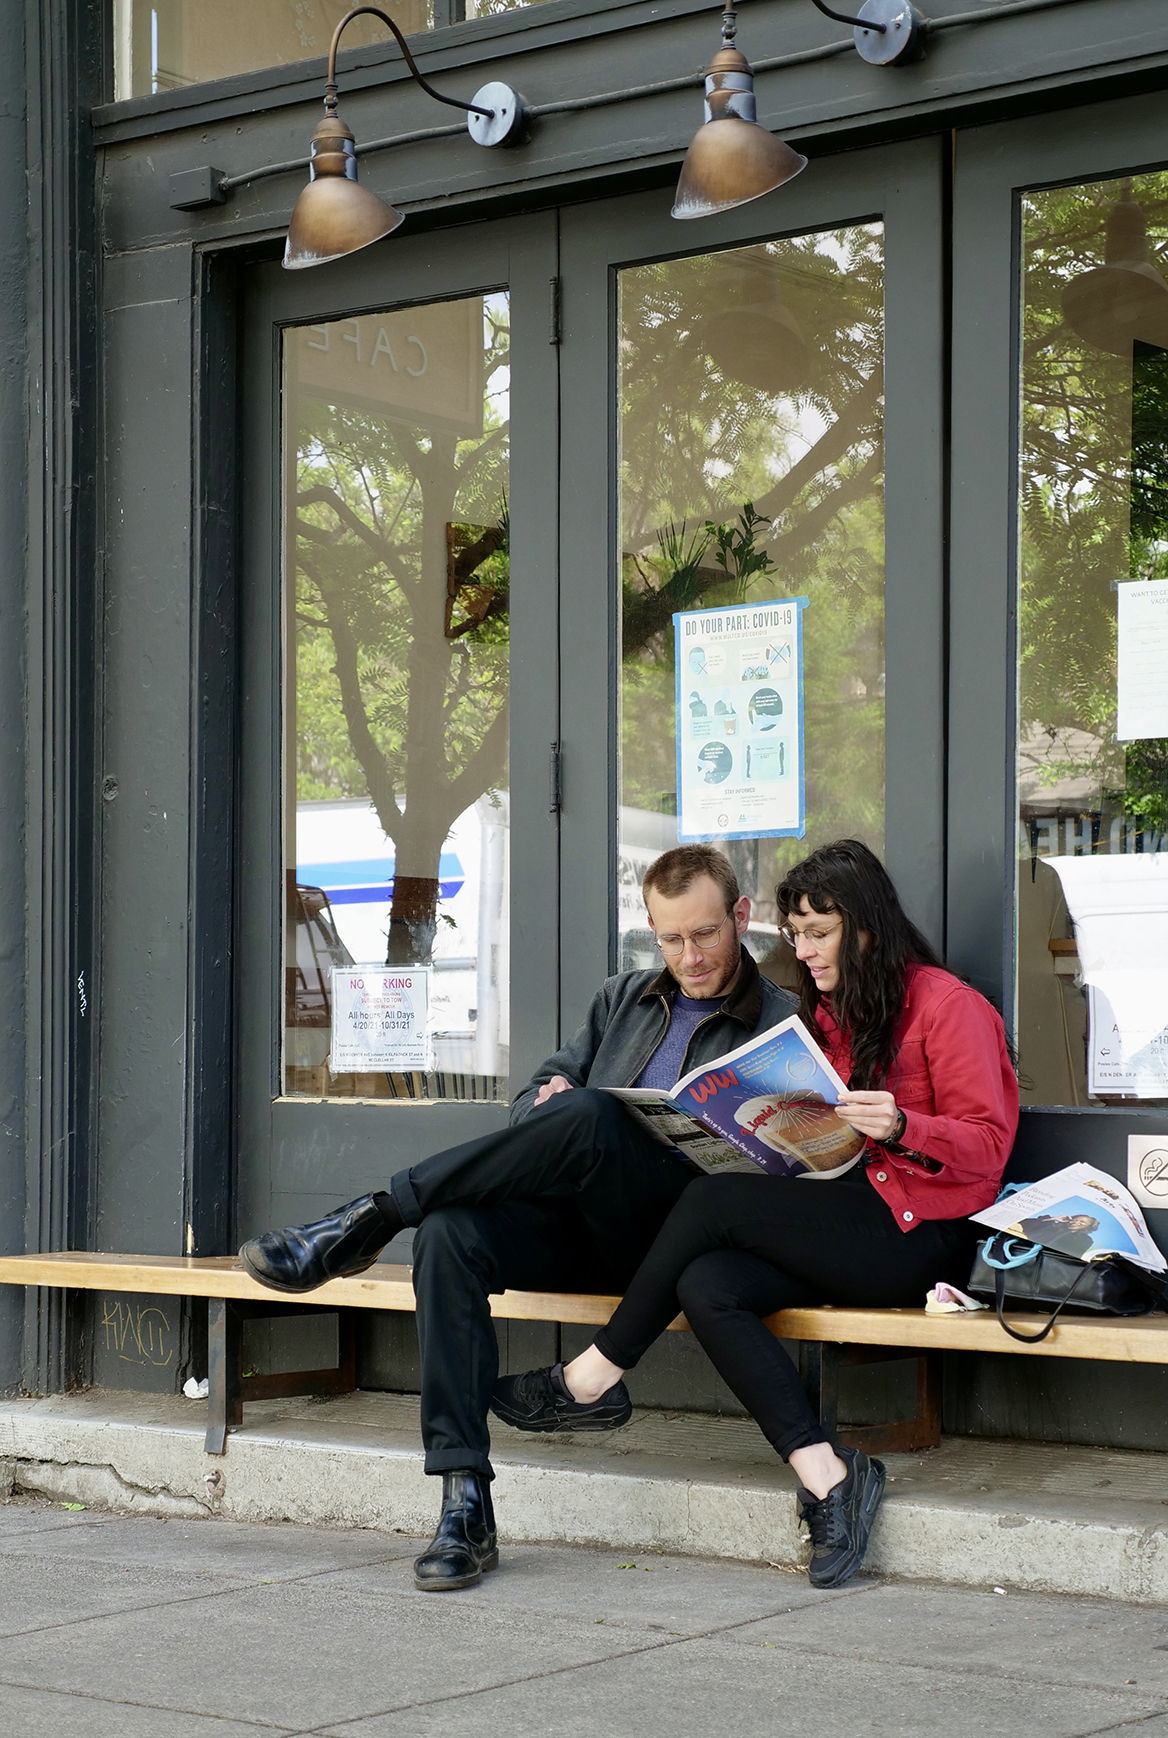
{"x": 737, "y": 1247}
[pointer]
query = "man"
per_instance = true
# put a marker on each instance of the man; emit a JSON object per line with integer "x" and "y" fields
{"x": 568, "y": 1198}
{"x": 1069, "y": 1233}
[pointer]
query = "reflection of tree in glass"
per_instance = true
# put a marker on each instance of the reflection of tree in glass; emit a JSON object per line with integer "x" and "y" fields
{"x": 402, "y": 625}
{"x": 699, "y": 441}
{"x": 1094, "y": 505}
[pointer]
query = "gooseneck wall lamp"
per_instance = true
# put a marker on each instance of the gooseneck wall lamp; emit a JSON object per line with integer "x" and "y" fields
{"x": 731, "y": 160}
{"x": 335, "y": 215}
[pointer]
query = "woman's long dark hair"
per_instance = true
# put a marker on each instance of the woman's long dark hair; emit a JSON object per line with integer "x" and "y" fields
{"x": 846, "y": 877}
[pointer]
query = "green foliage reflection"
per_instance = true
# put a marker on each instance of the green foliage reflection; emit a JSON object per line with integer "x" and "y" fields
{"x": 751, "y": 404}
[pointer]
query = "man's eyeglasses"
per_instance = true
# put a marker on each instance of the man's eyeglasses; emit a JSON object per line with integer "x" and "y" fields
{"x": 816, "y": 936}
{"x": 671, "y": 946}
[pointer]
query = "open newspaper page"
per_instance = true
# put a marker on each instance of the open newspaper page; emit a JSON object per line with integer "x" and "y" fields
{"x": 657, "y": 1113}
{"x": 1081, "y": 1212}
{"x": 768, "y": 1104}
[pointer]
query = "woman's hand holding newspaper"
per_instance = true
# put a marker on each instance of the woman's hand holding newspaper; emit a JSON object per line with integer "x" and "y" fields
{"x": 870, "y": 1113}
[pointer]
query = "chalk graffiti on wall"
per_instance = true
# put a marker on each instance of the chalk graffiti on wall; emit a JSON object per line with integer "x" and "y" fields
{"x": 138, "y": 1333}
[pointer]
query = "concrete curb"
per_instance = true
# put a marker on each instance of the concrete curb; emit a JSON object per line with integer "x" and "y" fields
{"x": 331, "y": 1466}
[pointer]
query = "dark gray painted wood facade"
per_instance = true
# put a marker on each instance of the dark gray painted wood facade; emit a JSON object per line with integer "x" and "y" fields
{"x": 124, "y": 578}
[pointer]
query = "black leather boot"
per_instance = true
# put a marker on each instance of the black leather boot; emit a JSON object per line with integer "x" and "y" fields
{"x": 302, "y": 1257}
{"x": 465, "y": 1545}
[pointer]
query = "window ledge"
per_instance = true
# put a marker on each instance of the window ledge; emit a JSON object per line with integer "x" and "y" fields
{"x": 545, "y": 23}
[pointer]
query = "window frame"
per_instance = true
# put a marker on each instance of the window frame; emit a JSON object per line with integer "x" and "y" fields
{"x": 297, "y": 1156}
{"x": 993, "y": 168}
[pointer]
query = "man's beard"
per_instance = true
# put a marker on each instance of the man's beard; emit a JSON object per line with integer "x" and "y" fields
{"x": 711, "y": 987}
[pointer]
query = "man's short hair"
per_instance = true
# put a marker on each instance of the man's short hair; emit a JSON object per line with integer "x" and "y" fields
{"x": 676, "y": 871}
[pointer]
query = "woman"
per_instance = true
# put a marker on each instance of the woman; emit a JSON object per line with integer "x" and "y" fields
{"x": 932, "y": 1087}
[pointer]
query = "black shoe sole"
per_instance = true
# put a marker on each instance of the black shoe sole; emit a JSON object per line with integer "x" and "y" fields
{"x": 559, "y": 1426}
{"x": 484, "y": 1568}
{"x": 296, "y": 1290}
{"x": 873, "y": 1493}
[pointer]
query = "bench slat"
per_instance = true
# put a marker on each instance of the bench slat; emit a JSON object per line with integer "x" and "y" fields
{"x": 1112, "y": 1339}
{"x": 384, "y": 1287}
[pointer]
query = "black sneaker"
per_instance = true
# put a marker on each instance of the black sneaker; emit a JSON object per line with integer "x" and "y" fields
{"x": 841, "y": 1521}
{"x": 540, "y": 1400}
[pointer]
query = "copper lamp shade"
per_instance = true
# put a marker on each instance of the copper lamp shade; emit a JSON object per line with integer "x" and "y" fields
{"x": 1125, "y": 299}
{"x": 335, "y": 215}
{"x": 732, "y": 159}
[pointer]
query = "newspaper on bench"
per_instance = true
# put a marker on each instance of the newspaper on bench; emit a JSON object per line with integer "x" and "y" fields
{"x": 1081, "y": 1212}
{"x": 767, "y": 1105}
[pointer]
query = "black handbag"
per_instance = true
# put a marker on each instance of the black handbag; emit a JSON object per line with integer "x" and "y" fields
{"x": 1009, "y": 1269}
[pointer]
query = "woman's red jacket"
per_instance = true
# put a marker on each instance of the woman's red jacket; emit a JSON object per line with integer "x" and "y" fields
{"x": 955, "y": 1083}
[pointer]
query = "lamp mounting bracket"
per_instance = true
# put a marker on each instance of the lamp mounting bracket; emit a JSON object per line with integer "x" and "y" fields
{"x": 887, "y": 32}
{"x": 330, "y": 89}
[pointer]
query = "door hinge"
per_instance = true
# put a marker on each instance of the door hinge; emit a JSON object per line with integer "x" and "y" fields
{"x": 555, "y": 323}
{"x": 556, "y": 783}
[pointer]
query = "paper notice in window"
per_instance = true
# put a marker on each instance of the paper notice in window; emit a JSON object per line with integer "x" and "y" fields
{"x": 1129, "y": 1062}
{"x": 379, "y": 1019}
{"x": 1119, "y": 906}
{"x": 1143, "y": 660}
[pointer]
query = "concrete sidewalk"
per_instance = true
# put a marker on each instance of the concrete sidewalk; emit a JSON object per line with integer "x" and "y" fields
{"x": 1033, "y": 1517}
{"x": 134, "y": 1627}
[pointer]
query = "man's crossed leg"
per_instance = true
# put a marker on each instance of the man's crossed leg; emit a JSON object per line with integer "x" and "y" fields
{"x": 568, "y": 1199}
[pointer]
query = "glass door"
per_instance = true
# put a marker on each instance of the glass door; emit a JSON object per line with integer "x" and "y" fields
{"x": 771, "y": 593}
{"x": 399, "y": 553}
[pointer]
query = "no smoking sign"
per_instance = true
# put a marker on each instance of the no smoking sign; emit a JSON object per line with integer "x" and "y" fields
{"x": 1147, "y": 1169}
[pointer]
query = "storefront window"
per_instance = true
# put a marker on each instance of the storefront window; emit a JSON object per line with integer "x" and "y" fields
{"x": 164, "y": 45}
{"x": 1093, "y": 645}
{"x": 396, "y": 694}
{"x": 751, "y": 478}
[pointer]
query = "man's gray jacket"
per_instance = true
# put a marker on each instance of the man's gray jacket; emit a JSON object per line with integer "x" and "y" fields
{"x": 630, "y": 1016}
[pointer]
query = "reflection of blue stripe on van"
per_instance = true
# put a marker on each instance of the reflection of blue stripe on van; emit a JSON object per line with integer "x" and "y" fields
{"x": 369, "y": 880}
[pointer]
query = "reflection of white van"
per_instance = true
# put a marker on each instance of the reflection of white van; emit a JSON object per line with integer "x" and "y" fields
{"x": 342, "y": 851}
{"x": 342, "y": 896}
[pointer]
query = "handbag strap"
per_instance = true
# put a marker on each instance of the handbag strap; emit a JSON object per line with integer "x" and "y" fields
{"x": 1009, "y": 1255}
{"x": 1000, "y": 1300}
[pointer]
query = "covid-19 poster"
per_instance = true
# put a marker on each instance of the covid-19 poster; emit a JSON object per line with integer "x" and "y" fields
{"x": 740, "y": 721}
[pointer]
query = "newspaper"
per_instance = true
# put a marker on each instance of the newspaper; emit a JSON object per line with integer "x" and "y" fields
{"x": 767, "y": 1105}
{"x": 1081, "y": 1212}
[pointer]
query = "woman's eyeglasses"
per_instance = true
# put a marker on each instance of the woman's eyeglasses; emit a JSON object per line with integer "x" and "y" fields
{"x": 816, "y": 936}
{"x": 672, "y": 946}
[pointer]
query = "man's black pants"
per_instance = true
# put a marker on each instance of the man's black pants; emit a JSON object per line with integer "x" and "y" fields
{"x": 569, "y": 1199}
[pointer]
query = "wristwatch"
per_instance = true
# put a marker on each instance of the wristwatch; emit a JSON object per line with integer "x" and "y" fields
{"x": 892, "y": 1141}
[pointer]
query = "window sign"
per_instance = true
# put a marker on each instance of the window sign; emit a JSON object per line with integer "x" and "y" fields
{"x": 1124, "y": 1063}
{"x": 1143, "y": 660}
{"x": 380, "y": 1019}
{"x": 1119, "y": 908}
{"x": 423, "y": 366}
{"x": 740, "y": 721}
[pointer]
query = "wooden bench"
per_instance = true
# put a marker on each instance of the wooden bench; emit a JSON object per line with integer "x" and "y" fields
{"x": 828, "y": 1337}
